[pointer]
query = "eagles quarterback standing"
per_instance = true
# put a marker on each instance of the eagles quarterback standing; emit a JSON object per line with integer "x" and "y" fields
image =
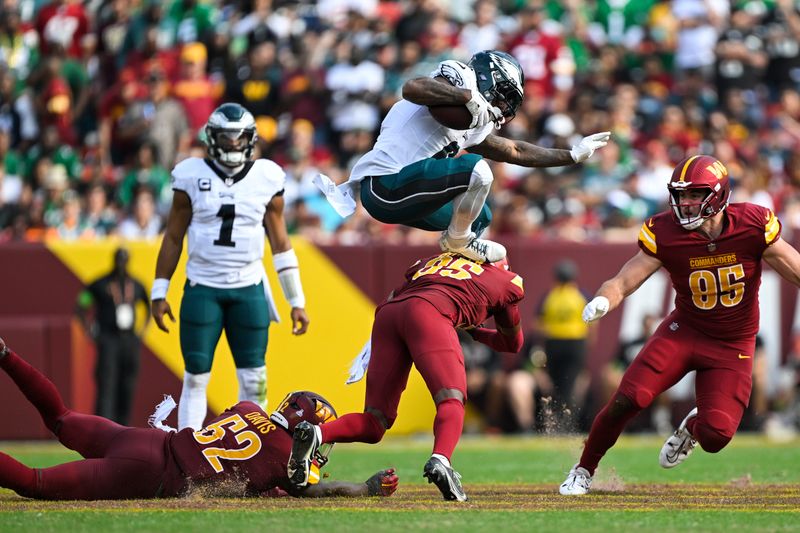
{"x": 412, "y": 175}
{"x": 224, "y": 202}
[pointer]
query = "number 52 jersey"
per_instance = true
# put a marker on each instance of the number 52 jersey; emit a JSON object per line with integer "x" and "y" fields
{"x": 226, "y": 233}
{"x": 716, "y": 282}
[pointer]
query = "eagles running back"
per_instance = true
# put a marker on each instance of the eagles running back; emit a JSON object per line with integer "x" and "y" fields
{"x": 409, "y": 133}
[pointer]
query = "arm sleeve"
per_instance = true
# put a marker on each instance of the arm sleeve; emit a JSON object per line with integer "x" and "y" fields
{"x": 506, "y": 318}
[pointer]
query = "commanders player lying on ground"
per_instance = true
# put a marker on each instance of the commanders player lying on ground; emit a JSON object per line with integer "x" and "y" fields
{"x": 243, "y": 451}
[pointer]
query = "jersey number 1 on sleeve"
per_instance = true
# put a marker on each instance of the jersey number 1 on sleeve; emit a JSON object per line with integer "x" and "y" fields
{"x": 228, "y": 213}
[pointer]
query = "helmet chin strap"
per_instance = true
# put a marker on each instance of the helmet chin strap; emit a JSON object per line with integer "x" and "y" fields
{"x": 227, "y": 169}
{"x": 694, "y": 224}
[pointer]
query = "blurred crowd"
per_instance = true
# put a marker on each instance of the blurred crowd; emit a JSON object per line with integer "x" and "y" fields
{"x": 100, "y": 98}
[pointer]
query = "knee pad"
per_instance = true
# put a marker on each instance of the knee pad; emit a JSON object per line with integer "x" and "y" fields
{"x": 621, "y": 405}
{"x": 378, "y": 424}
{"x": 444, "y": 395}
{"x": 714, "y": 429}
{"x": 197, "y": 363}
{"x": 481, "y": 175}
{"x": 253, "y": 385}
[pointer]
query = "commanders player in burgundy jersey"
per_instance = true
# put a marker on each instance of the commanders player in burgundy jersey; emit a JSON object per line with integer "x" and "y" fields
{"x": 242, "y": 452}
{"x": 417, "y": 325}
{"x": 712, "y": 252}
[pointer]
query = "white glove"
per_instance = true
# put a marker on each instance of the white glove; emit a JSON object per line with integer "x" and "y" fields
{"x": 595, "y": 309}
{"x": 482, "y": 111}
{"x": 584, "y": 149}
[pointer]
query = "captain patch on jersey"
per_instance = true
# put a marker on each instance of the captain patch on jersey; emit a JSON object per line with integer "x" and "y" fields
{"x": 226, "y": 236}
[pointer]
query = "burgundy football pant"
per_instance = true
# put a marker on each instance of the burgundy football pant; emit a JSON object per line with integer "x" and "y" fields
{"x": 120, "y": 462}
{"x": 722, "y": 387}
{"x": 408, "y": 332}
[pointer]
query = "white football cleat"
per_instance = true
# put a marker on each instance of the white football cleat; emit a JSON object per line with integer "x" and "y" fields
{"x": 480, "y": 250}
{"x": 578, "y": 482}
{"x": 679, "y": 445}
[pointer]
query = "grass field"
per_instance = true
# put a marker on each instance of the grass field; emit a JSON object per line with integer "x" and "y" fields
{"x": 752, "y": 485}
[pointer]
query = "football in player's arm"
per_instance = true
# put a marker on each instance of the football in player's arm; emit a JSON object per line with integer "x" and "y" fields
{"x": 712, "y": 251}
{"x": 243, "y": 452}
{"x": 224, "y": 203}
{"x": 412, "y": 175}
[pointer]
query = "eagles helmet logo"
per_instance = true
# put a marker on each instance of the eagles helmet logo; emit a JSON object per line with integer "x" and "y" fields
{"x": 452, "y": 75}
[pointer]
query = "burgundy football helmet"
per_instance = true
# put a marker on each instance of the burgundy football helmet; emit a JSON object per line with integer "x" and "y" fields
{"x": 699, "y": 172}
{"x": 309, "y": 406}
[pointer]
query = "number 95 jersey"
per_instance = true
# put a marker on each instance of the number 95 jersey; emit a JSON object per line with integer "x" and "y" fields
{"x": 226, "y": 233}
{"x": 716, "y": 282}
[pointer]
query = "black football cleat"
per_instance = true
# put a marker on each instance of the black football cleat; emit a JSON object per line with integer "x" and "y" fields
{"x": 447, "y": 480}
{"x": 305, "y": 441}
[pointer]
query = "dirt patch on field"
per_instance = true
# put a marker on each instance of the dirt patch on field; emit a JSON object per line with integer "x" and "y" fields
{"x": 735, "y": 496}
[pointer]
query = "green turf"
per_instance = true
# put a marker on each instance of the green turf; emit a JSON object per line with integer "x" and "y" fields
{"x": 435, "y": 520}
{"x": 481, "y": 461}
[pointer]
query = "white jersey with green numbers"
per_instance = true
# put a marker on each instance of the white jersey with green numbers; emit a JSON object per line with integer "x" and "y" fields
{"x": 226, "y": 233}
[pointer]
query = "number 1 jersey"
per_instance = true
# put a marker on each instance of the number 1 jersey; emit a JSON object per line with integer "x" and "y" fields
{"x": 716, "y": 282}
{"x": 226, "y": 234}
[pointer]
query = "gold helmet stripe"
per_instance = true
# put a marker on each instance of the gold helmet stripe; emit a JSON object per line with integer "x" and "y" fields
{"x": 686, "y": 167}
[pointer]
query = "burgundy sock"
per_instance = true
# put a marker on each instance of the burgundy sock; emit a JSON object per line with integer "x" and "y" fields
{"x": 690, "y": 426}
{"x": 604, "y": 433}
{"x": 16, "y": 476}
{"x": 353, "y": 427}
{"x": 447, "y": 426}
{"x": 39, "y": 390}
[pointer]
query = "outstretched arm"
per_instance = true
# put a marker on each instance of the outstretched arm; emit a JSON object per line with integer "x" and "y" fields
{"x": 383, "y": 483}
{"x": 527, "y": 154}
{"x": 611, "y": 293}
{"x": 180, "y": 215}
{"x": 785, "y": 260}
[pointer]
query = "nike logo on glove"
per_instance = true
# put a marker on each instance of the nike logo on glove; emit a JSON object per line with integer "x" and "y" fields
{"x": 744, "y": 356}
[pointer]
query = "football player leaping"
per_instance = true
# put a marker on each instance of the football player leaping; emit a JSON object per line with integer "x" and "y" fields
{"x": 242, "y": 452}
{"x": 417, "y": 325}
{"x": 712, "y": 252}
{"x": 412, "y": 177}
{"x": 224, "y": 202}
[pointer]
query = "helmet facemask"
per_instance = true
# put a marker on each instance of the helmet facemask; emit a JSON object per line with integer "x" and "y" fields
{"x": 232, "y": 148}
{"x": 707, "y": 207}
{"x": 231, "y": 135}
{"x": 500, "y": 80}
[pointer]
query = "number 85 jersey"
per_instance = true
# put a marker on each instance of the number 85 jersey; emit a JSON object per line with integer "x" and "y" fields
{"x": 226, "y": 233}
